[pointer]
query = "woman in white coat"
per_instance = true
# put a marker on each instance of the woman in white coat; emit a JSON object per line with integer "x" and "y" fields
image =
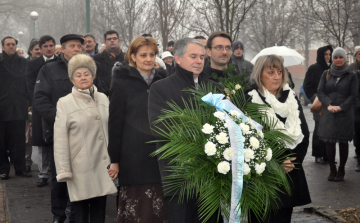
{"x": 81, "y": 140}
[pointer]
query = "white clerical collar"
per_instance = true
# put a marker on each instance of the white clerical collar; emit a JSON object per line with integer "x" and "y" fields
{"x": 45, "y": 58}
{"x": 196, "y": 80}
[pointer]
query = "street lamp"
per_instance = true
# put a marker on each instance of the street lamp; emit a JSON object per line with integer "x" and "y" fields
{"x": 88, "y": 29}
{"x": 34, "y": 16}
{"x": 20, "y": 33}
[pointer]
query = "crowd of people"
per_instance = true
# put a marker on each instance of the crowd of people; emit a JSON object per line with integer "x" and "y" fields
{"x": 89, "y": 110}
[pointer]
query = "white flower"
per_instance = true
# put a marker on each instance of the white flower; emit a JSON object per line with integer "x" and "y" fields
{"x": 235, "y": 113}
{"x": 268, "y": 154}
{"x": 207, "y": 128}
{"x": 244, "y": 128}
{"x": 254, "y": 142}
{"x": 225, "y": 125}
{"x": 259, "y": 168}
{"x": 233, "y": 91}
{"x": 223, "y": 167}
{"x": 260, "y": 133}
{"x": 227, "y": 91}
{"x": 237, "y": 87}
{"x": 249, "y": 154}
{"x": 228, "y": 153}
{"x": 222, "y": 138}
{"x": 220, "y": 115}
{"x": 210, "y": 148}
{"x": 246, "y": 169}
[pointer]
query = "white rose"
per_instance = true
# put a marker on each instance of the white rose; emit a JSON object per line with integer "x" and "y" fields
{"x": 249, "y": 154}
{"x": 227, "y": 91}
{"x": 260, "y": 133}
{"x": 246, "y": 169}
{"x": 244, "y": 128}
{"x": 254, "y": 142}
{"x": 259, "y": 168}
{"x": 235, "y": 113}
{"x": 268, "y": 154}
{"x": 210, "y": 149}
{"x": 207, "y": 128}
{"x": 223, "y": 167}
{"x": 233, "y": 91}
{"x": 220, "y": 115}
{"x": 222, "y": 138}
{"x": 237, "y": 87}
{"x": 228, "y": 153}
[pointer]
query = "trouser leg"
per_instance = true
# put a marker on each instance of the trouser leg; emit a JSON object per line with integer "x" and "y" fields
{"x": 59, "y": 193}
{"x": 44, "y": 161}
{"x": 82, "y": 211}
{"x": 4, "y": 160}
{"x": 16, "y": 130}
{"x": 97, "y": 209}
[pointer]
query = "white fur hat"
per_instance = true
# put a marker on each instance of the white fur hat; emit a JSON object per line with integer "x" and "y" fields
{"x": 166, "y": 54}
{"x": 160, "y": 62}
{"x": 356, "y": 50}
{"x": 81, "y": 61}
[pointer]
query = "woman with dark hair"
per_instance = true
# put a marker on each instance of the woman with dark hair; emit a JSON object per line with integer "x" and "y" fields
{"x": 140, "y": 193}
{"x": 337, "y": 91}
{"x": 34, "y": 50}
{"x": 270, "y": 87}
{"x": 311, "y": 83}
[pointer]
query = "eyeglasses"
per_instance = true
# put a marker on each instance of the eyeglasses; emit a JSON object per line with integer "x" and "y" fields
{"x": 221, "y": 48}
{"x": 109, "y": 39}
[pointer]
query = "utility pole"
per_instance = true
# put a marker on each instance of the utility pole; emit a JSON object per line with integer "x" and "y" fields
{"x": 88, "y": 30}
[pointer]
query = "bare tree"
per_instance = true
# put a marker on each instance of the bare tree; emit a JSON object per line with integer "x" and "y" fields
{"x": 224, "y": 15}
{"x": 271, "y": 23}
{"x": 170, "y": 14}
{"x": 334, "y": 18}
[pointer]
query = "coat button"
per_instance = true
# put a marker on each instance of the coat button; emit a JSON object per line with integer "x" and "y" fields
{"x": 148, "y": 90}
{"x": 104, "y": 157}
{"x": 101, "y": 137}
{"x": 97, "y": 118}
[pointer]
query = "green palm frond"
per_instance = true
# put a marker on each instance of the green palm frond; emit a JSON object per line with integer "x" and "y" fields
{"x": 194, "y": 175}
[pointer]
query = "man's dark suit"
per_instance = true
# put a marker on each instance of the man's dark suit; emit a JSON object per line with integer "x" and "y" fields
{"x": 13, "y": 111}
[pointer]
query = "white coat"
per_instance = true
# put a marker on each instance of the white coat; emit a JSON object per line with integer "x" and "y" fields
{"x": 80, "y": 145}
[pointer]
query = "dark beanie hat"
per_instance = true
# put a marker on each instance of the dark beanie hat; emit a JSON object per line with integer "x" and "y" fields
{"x": 171, "y": 43}
{"x": 237, "y": 44}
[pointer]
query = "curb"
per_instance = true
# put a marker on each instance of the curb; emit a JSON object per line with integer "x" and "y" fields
{"x": 4, "y": 217}
{"x": 327, "y": 213}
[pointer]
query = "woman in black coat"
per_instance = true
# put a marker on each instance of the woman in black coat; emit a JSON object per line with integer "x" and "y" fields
{"x": 337, "y": 94}
{"x": 140, "y": 194}
{"x": 270, "y": 87}
{"x": 311, "y": 83}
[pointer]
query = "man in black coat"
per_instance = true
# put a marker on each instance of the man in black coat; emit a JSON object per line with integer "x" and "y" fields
{"x": 311, "y": 82}
{"x": 189, "y": 57}
{"x": 47, "y": 47}
{"x": 108, "y": 58}
{"x": 13, "y": 108}
{"x": 53, "y": 83}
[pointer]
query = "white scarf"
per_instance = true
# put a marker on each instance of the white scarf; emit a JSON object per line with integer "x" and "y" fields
{"x": 288, "y": 109}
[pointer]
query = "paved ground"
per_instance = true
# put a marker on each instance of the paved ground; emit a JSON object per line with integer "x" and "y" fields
{"x": 26, "y": 203}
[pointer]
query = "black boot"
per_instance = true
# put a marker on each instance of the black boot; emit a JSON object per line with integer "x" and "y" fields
{"x": 333, "y": 173}
{"x": 340, "y": 175}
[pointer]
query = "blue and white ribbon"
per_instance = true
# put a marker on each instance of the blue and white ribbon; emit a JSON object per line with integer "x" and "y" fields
{"x": 237, "y": 144}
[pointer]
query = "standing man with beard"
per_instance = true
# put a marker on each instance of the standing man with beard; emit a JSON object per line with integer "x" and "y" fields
{"x": 13, "y": 108}
{"x": 47, "y": 47}
{"x": 311, "y": 82}
{"x": 108, "y": 58}
{"x": 219, "y": 51}
{"x": 237, "y": 58}
{"x": 53, "y": 83}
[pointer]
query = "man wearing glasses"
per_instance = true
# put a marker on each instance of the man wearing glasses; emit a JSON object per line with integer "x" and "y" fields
{"x": 218, "y": 49}
{"x": 108, "y": 58}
